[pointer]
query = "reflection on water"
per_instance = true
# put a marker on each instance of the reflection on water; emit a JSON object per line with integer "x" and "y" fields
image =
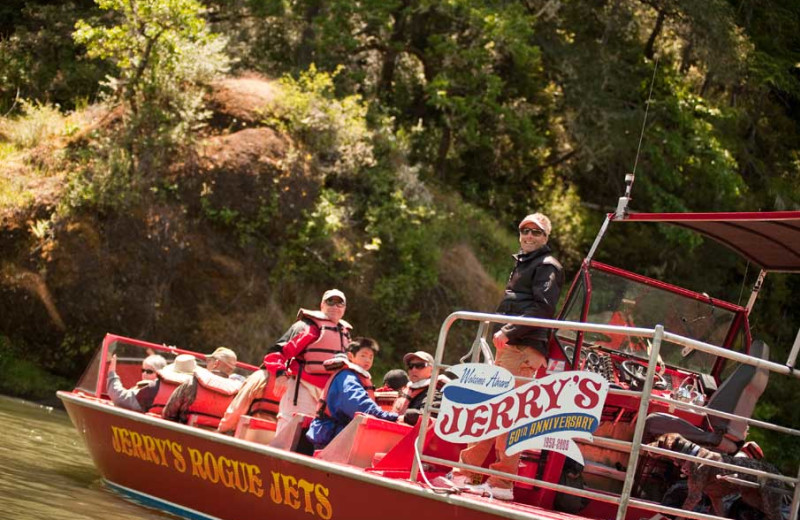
{"x": 47, "y": 474}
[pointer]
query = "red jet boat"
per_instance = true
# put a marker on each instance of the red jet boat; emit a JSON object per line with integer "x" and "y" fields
{"x": 638, "y": 356}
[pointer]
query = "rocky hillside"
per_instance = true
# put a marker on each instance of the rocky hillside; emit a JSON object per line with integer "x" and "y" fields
{"x": 178, "y": 264}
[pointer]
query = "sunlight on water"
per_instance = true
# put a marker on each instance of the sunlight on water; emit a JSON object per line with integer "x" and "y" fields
{"x": 47, "y": 474}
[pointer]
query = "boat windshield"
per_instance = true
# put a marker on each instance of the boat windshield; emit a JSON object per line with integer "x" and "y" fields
{"x": 130, "y": 354}
{"x": 618, "y": 300}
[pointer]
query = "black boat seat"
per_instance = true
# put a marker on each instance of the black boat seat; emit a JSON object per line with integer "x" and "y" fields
{"x": 738, "y": 395}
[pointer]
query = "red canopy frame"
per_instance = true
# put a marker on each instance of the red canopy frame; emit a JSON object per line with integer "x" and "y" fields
{"x": 768, "y": 239}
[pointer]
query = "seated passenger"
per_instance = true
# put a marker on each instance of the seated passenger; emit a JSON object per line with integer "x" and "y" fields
{"x": 412, "y": 396}
{"x": 170, "y": 378}
{"x": 260, "y": 395}
{"x": 140, "y": 397}
{"x": 349, "y": 390}
{"x": 394, "y": 380}
{"x": 208, "y": 393}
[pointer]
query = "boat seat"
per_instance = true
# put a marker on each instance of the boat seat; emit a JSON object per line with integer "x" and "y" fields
{"x": 288, "y": 438}
{"x": 738, "y": 394}
{"x": 360, "y": 440}
{"x": 399, "y": 458}
{"x": 254, "y": 429}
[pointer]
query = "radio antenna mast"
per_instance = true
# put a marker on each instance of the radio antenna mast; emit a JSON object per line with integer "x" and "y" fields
{"x": 622, "y": 204}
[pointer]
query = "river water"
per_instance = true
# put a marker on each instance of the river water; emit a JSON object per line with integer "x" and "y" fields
{"x": 47, "y": 474}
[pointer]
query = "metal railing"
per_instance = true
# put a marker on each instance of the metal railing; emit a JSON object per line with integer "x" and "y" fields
{"x": 633, "y": 447}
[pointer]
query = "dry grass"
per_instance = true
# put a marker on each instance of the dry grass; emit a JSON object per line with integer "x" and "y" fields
{"x": 31, "y": 152}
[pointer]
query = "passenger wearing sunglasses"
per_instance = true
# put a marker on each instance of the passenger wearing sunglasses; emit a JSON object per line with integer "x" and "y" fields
{"x": 140, "y": 396}
{"x": 419, "y": 366}
{"x": 532, "y": 290}
{"x": 314, "y": 338}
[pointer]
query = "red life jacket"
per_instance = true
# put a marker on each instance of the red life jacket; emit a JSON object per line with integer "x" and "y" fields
{"x": 168, "y": 382}
{"x": 363, "y": 377}
{"x": 269, "y": 400}
{"x": 333, "y": 339}
{"x": 412, "y": 390}
{"x": 214, "y": 394}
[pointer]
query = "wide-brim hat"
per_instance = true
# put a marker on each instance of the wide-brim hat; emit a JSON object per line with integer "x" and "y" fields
{"x": 182, "y": 368}
{"x": 420, "y": 354}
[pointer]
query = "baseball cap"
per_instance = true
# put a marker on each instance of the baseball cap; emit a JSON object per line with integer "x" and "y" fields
{"x": 225, "y": 355}
{"x": 334, "y": 293}
{"x": 420, "y": 354}
{"x": 538, "y": 220}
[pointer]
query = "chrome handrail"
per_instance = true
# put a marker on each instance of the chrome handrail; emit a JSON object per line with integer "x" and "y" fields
{"x": 658, "y": 335}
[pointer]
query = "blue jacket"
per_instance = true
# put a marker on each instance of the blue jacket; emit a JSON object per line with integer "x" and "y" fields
{"x": 346, "y": 396}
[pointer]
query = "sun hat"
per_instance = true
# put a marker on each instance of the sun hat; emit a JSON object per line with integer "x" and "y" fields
{"x": 420, "y": 354}
{"x": 182, "y": 368}
{"x": 538, "y": 220}
{"x": 334, "y": 293}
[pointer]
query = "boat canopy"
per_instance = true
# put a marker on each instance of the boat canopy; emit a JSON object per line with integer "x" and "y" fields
{"x": 769, "y": 239}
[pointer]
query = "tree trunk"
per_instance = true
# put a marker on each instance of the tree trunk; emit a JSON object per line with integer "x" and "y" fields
{"x": 389, "y": 64}
{"x": 649, "y": 49}
{"x": 305, "y": 51}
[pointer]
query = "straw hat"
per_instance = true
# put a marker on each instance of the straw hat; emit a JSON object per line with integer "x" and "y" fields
{"x": 182, "y": 368}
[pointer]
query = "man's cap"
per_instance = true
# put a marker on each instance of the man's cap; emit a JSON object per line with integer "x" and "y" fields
{"x": 334, "y": 293}
{"x": 224, "y": 354}
{"x": 538, "y": 220}
{"x": 420, "y": 354}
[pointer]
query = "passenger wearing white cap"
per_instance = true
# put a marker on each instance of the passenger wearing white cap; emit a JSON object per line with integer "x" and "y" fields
{"x": 532, "y": 290}
{"x": 315, "y": 337}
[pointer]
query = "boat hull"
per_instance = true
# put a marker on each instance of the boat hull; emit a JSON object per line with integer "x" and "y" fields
{"x": 200, "y": 474}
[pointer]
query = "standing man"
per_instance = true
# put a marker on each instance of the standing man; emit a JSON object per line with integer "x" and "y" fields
{"x": 315, "y": 337}
{"x": 532, "y": 290}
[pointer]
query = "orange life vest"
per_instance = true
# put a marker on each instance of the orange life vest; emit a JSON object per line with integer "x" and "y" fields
{"x": 168, "y": 382}
{"x": 412, "y": 390}
{"x": 333, "y": 339}
{"x": 269, "y": 400}
{"x": 214, "y": 394}
{"x": 363, "y": 377}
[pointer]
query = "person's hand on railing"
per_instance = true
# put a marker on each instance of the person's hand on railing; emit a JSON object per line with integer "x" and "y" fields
{"x": 112, "y": 364}
{"x": 499, "y": 339}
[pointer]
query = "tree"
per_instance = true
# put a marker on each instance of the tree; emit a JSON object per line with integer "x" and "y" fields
{"x": 164, "y": 54}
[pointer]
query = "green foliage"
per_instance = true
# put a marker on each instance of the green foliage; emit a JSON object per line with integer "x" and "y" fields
{"x": 24, "y": 378}
{"x": 316, "y": 249}
{"x": 333, "y": 130}
{"x": 164, "y": 54}
{"x": 39, "y": 61}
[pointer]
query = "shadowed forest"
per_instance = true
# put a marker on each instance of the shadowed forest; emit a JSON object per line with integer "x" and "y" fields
{"x": 191, "y": 173}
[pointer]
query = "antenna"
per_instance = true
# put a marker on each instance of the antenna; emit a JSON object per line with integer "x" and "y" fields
{"x": 622, "y": 204}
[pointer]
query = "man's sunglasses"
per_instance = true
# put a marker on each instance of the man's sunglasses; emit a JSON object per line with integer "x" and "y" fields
{"x": 335, "y": 302}
{"x": 148, "y": 371}
{"x": 418, "y": 366}
{"x": 531, "y": 231}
